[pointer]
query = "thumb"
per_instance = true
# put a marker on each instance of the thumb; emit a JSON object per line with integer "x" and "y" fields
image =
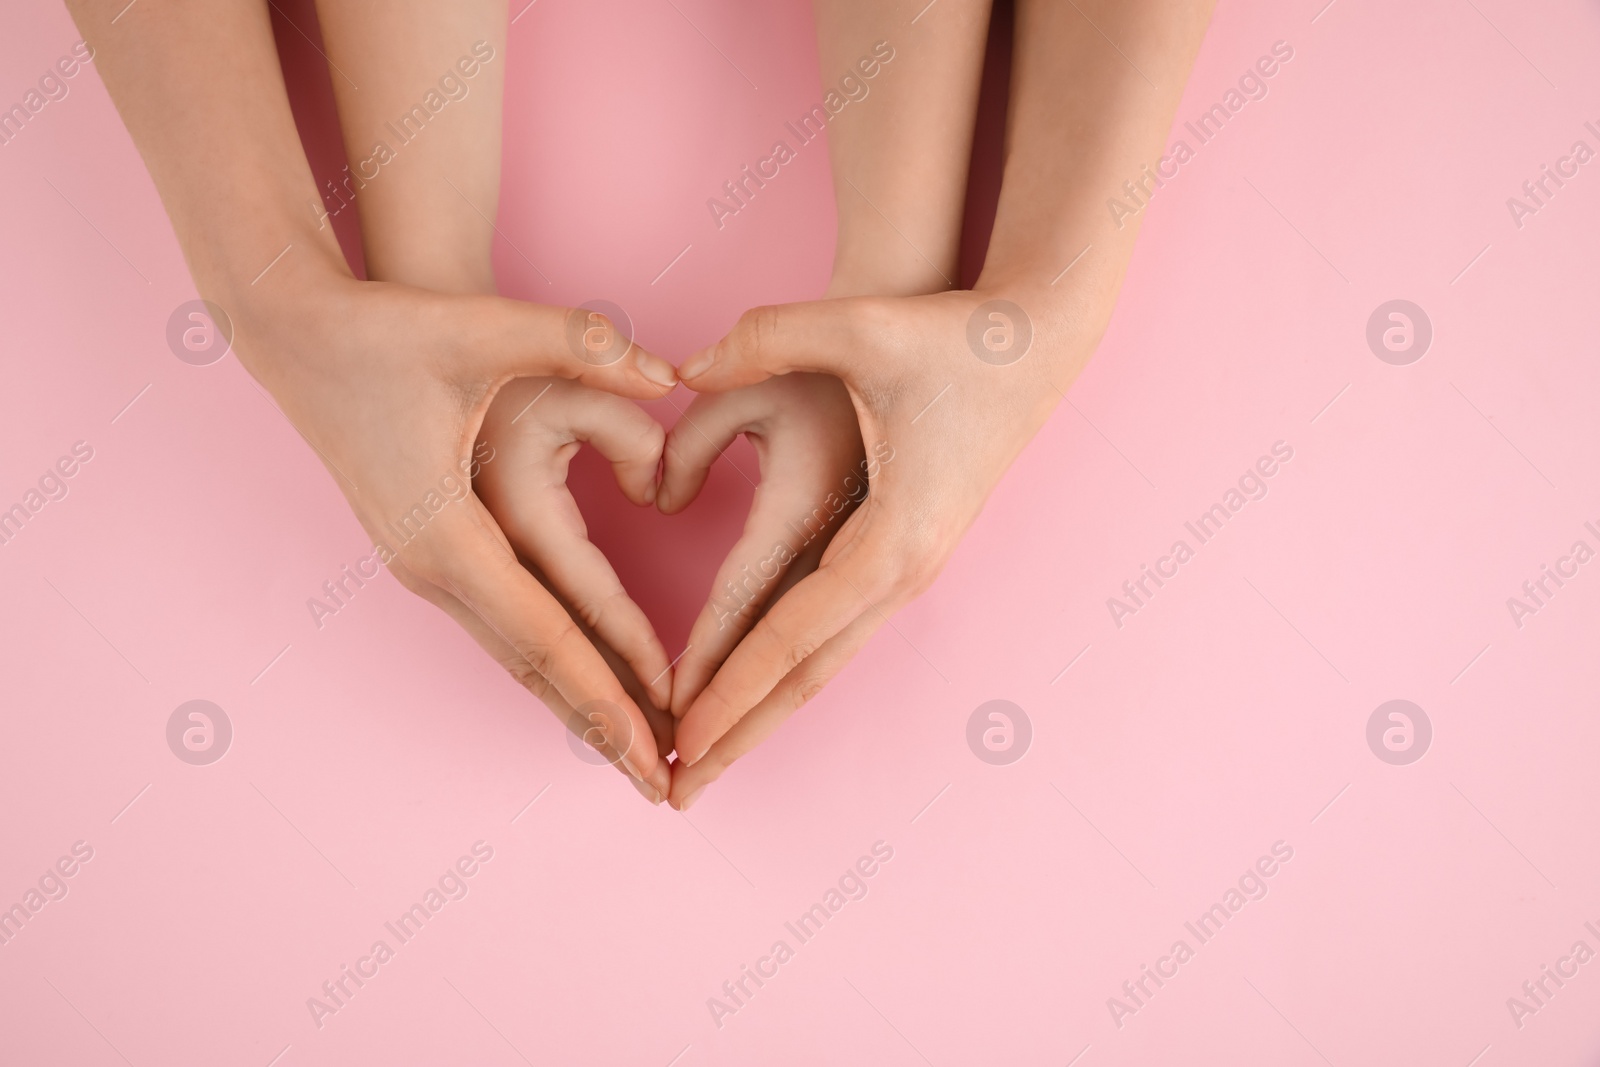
{"x": 511, "y": 338}
{"x": 821, "y": 336}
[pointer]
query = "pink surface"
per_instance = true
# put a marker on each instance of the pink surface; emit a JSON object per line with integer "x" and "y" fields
{"x": 1228, "y": 714}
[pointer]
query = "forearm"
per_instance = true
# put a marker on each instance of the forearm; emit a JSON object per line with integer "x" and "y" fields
{"x": 201, "y": 92}
{"x": 1086, "y": 115}
{"x": 422, "y": 135}
{"x": 900, "y": 151}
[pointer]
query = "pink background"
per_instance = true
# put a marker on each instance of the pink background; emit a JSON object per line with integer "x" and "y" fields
{"x": 1222, "y": 718}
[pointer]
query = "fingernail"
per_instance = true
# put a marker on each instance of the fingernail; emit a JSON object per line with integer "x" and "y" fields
{"x": 663, "y": 780}
{"x": 688, "y": 801}
{"x": 698, "y": 363}
{"x": 657, "y": 369}
{"x": 650, "y": 495}
{"x": 628, "y": 766}
{"x": 648, "y": 791}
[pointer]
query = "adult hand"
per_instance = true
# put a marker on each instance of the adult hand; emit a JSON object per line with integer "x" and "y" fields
{"x": 942, "y": 417}
{"x": 390, "y": 385}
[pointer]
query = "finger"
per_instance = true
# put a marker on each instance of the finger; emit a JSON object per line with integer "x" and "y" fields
{"x": 622, "y": 432}
{"x": 548, "y": 531}
{"x": 504, "y": 338}
{"x": 799, "y": 686}
{"x": 698, "y": 439}
{"x": 723, "y": 621}
{"x": 798, "y": 507}
{"x": 492, "y": 643}
{"x": 695, "y": 442}
{"x": 821, "y": 605}
{"x": 823, "y": 336}
{"x": 661, "y": 722}
{"x": 790, "y": 524}
{"x": 467, "y": 559}
{"x": 532, "y": 502}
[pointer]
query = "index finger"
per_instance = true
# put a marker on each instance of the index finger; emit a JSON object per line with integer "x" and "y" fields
{"x": 802, "y": 683}
{"x": 819, "y": 606}
{"x": 467, "y": 559}
{"x": 576, "y": 723}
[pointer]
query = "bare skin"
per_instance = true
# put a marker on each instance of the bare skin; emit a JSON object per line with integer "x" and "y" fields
{"x": 389, "y": 383}
{"x": 425, "y": 221}
{"x": 1082, "y": 120}
{"x": 803, "y": 425}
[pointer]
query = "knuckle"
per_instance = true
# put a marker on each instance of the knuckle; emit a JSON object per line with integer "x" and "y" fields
{"x": 867, "y": 317}
{"x": 593, "y": 611}
{"x": 538, "y": 658}
{"x": 791, "y": 651}
{"x": 756, "y": 329}
{"x": 921, "y": 551}
{"x": 674, "y": 451}
{"x": 799, "y": 652}
{"x": 526, "y": 675}
{"x": 716, "y": 761}
{"x": 651, "y": 439}
{"x": 804, "y": 687}
{"x": 917, "y": 574}
{"x": 876, "y": 323}
{"x": 718, "y": 712}
{"x": 910, "y": 575}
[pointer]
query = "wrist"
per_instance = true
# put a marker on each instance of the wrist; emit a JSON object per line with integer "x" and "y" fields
{"x": 851, "y": 278}
{"x": 277, "y": 270}
{"x": 437, "y": 269}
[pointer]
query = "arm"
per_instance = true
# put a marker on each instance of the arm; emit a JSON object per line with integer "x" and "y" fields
{"x": 1082, "y": 119}
{"x": 913, "y": 92}
{"x": 426, "y": 221}
{"x": 389, "y": 384}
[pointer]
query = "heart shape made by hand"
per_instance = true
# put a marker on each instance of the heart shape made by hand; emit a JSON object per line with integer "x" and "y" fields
{"x": 636, "y": 579}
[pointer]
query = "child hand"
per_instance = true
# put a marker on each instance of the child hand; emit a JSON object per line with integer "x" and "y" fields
{"x": 812, "y": 477}
{"x": 534, "y": 428}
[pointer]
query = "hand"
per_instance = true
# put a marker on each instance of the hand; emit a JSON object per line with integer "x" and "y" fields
{"x": 808, "y": 447}
{"x": 390, "y": 385}
{"x": 941, "y": 426}
{"x": 533, "y": 429}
